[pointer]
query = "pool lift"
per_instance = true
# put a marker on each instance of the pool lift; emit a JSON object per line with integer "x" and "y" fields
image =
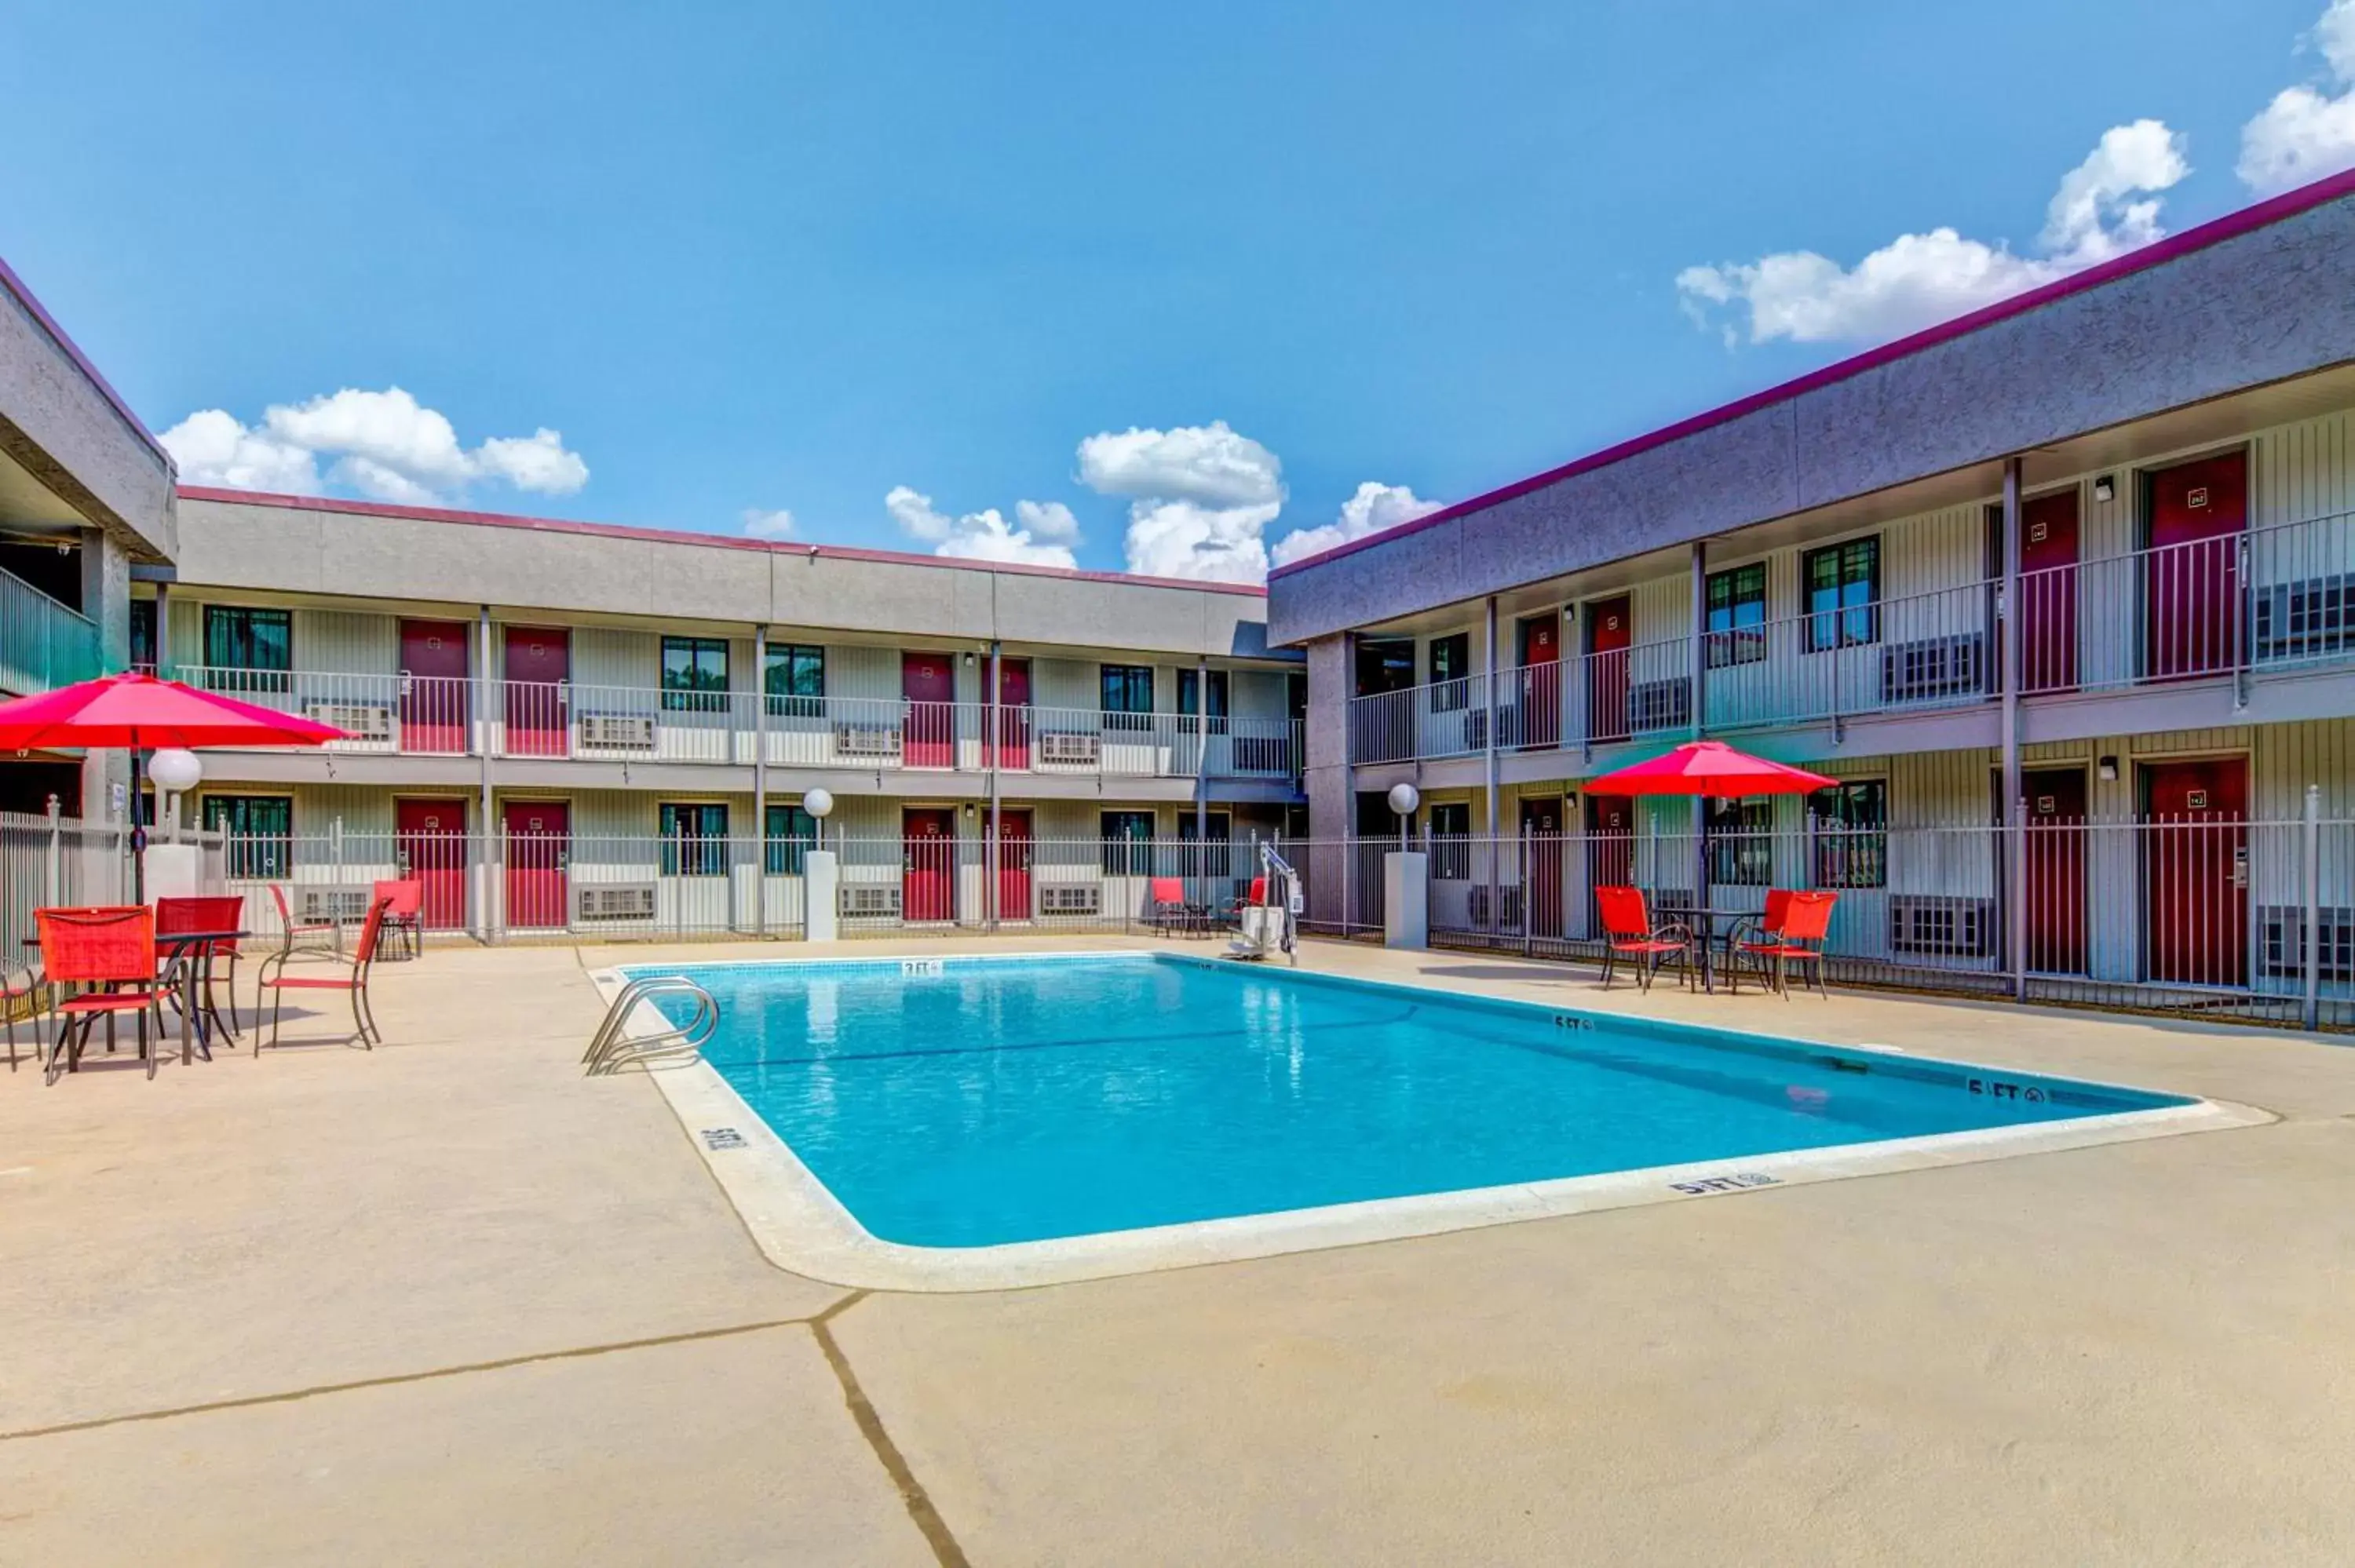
{"x": 1271, "y": 921}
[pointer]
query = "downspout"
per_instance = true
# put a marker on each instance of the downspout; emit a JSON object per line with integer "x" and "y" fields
{"x": 1696, "y": 675}
{"x": 761, "y": 780}
{"x": 1201, "y": 749}
{"x": 2016, "y": 841}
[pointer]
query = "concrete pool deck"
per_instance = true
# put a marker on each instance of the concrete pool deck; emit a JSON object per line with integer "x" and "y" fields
{"x": 452, "y": 1301}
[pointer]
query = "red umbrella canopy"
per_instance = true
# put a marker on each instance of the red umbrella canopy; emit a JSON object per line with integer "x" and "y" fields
{"x": 138, "y": 710}
{"x": 1706, "y": 768}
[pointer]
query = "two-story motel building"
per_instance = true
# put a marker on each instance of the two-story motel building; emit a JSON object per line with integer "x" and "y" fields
{"x": 637, "y": 716}
{"x": 2085, "y": 556}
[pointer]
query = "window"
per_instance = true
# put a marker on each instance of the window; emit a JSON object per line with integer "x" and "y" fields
{"x": 260, "y": 833}
{"x": 1216, "y": 858}
{"x": 1384, "y": 664}
{"x": 1127, "y": 844}
{"x": 1843, "y": 588}
{"x": 695, "y": 674}
{"x": 1451, "y": 834}
{"x": 794, "y": 680}
{"x": 1190, "y": 696}
{"x": 1737, "y": 615}
{"x": 1740, "y": 844}
{"x": 1128, "y": 697}
{"x": 248, "y": 650}
{"x": 143, "y": 634}
{"x": 695, "y": 840}
{"x": 1451, "y": 663}
{"x": 1851, "y": 834}
{"x": 792, "y": 835}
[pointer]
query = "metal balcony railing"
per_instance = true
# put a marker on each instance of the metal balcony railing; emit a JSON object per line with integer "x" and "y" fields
{"x": 42, "y": 645}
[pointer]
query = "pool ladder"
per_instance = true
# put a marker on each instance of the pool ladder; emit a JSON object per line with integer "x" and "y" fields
{"x": 610, "y": 1050}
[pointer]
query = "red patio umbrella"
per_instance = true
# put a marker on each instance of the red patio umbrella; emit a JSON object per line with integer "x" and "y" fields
{"x": 138, "y": 712}
{"x": 1708, "y": 767}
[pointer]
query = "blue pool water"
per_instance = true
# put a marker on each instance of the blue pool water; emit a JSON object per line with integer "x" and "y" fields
{"x": 1007, "y": 1100}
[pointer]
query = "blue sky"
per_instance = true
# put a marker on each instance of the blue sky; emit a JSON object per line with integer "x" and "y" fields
{"x": 748, "y": 259}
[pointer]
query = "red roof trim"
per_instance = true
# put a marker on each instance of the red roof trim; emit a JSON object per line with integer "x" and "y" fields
{"x": 678, "y": 537}
{"x": 2215, "y": 231}
{"x": 39, "y": 312}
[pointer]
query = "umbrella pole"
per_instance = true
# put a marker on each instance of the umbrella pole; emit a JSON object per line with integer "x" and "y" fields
{"x": 138, "y": 833}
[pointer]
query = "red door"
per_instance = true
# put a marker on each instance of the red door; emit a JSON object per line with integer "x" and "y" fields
{"x": 1541, "y": 830}
{"x": 1609, "y": 629}
{"x": 2195, "y": 871}
{"x": 539, "y": 668}
{"x": 2047, "y": 593}
{"x": 432, "y": 836}
{"x": 2192, "y": 576}
{"x": 2055, "y": 852}
{"x": 1013, "y": 865}
{"x": 1013, "y": 716}
{"x": 1610, "y": 848}
{"x": 928, "y": 682}
{"x": 1538, "y": 681}
{"x": 433, "y": 707}
{"x": 928, "y": 869}
{"x": 539, "y": 854}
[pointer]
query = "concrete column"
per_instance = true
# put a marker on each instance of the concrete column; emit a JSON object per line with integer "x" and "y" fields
{"x": 485, "y": 827}
{"x": 2015, "y": 904}
{"x": 1202, "y": 750}
{"x": 1406, "y": 899}
{"x": 1697, "y": 657}
{"x": 163, "y": 630}
{"x": 821, "y": 893}
{"x": 760, "y": 781}
{"x": 997, "y": 745}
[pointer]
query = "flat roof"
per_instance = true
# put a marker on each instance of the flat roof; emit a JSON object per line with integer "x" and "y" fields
{"x": 707, "y": 541}
{"x": 24, "y": 295}
{"x": 2198, "y": 237}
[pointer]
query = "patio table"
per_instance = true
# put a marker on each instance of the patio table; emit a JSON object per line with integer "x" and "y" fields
{"x": 194, "y": 969}
{"x": 1702, "y": 921}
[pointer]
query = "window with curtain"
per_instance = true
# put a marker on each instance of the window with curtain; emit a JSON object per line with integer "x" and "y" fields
{"x": 1127, "y": 842}
{"x": 1843, "y": 586}
{"x": 1451, "y": 833}
{"x": 248, "y": 650}
{"x": 1737, "y": 615}
{"x": 695, "y": 674}
{"x": 695, "y": 839}
{"x": 1740, "y": 839}
{"x": 1127, "y": 695}
{"x": 1190, "y": 697}
{"x": 261, "y": 831}
{"x": 1450, "y": 663}
{"x": 143, "y": 634}
{"x": 791, "y": 833}
{"x": 794, "y": 681}
{"x": 1850, "y": 825}
{"x": 1216, "y": 858}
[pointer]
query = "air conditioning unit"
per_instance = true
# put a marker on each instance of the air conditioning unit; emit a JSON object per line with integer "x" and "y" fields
{"x": 2304, "y": 619}
{"x": 1509, "y": 899}
{"x": 2284, "y": 925}
{"x": 872, "y": 899}
{"x": 617, "y": 732}
{"x": 1660, "y": 704}
{"x": 361, "y": 721}
{"x": 876, "y": 740}
{"x": 342, "y": 905}
{"x": 1934, "y": 667}
{"x": 614, "y": 901}
{"x": 1069, "y": 749}
{"x": 1938, "y": 927}
{"x": 1070, "y": 898}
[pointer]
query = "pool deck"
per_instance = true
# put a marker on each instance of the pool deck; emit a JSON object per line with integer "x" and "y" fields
{"x": 452, "y": 1301}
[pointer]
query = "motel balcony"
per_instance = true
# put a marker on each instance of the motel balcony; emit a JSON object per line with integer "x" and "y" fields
{"x": 418, "y": 716}
{"x": 43, "y": 644}
{"x": 2218, "y": 631}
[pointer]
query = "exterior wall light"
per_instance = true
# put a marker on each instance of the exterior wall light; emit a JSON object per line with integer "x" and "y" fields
{"x": 2105, "y": 490}
{"x": 2108, "y": 769}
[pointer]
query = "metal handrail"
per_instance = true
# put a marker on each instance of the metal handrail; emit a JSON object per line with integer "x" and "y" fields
{"x": 610, "y": 1050}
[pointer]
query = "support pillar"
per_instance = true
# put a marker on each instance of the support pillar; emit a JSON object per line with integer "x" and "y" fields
{"x": 2015, "y": 842}
{"x": 488, "y": 690}
{"x": 761, "y": 780}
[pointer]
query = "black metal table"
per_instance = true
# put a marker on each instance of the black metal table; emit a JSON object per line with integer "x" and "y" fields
{"x": 197, "y": 983}
{"x": 1702, "y": 921}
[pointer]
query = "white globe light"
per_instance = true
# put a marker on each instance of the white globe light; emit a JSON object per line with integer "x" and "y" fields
{"x": 1405, "y": 799}
{"x": 818, "y": 804}
{"x": 175, "y": 769}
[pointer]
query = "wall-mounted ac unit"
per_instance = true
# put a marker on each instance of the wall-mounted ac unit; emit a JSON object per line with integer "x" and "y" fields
{"x": 880, "y": 741}
{"x": 337, "y": 904}
{"x": 1938, "y": 927}
{"x": 2284, "y": 925}
{"x": 872, "y": 899}
{"x": 1934, "y": 667}
{"x": 1660, "y": 704}
{"x": 361, "y": 721}
{"x": 1509, "y": 899}
{"x": 2306, "y": 620}
{"x": 614, "y": 901}
{"x": 1070, "y": 898}
{"x": 1069, "y": 749}
{"x": 617, "y": 732}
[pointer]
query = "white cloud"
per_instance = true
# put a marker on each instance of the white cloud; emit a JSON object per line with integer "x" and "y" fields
{"x": 760, "y": 525}
{"x": 985, "y": 535}
{"x": 1919, "y": 279}
{"x": 1201, "y": 497}
{"x": 2304, "y": 134}
{"x": 383, "y": 444}
{"x": 1374, "y": 508}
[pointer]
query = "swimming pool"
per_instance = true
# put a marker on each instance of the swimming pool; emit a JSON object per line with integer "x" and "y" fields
{"x": 963, "y": 1103}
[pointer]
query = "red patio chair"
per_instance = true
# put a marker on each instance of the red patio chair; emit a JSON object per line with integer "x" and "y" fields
{"x": 224, "y": 913}
{"x": 306, "y": 936}
{"x": 1628, "y": 932}
{"x": 362, "y": 961}
{"x": 1251, "y": 900}
{"x": 1805, "y": 925}
{"x": 406, "y": 916}
{"x": 1167, "y": 909}
{"x": 19, "y": 982}
{"x": 1755, "y": 934}
{"x": 107, "y": 947}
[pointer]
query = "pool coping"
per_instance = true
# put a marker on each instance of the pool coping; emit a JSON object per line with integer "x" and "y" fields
{"x": 801, "y": 1226}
